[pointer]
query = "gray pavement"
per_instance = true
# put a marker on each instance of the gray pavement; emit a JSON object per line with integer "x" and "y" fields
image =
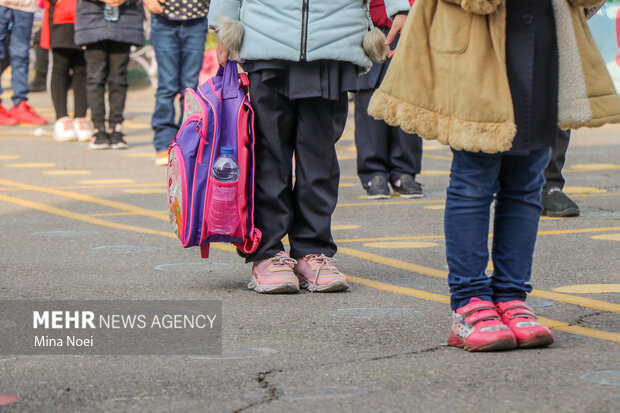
{"x": 82, "y": 224}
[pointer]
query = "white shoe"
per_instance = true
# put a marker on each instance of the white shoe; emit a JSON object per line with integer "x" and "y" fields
{"x": 63, "y": 130}
{"x": 83, "y": 128}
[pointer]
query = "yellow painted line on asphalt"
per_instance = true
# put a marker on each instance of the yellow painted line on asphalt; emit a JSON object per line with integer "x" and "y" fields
{"x": 578, "y": 231}
{"x": 347, "y": 148}
{"x": 589, "y": 289}
{"x": 433, "y": 147}
{"x": 67, "y": 172}
{"x": 107, "y": 181}
{"x": 430, "y": 172}
{"x": 578, "y": 330}
{"x": 591, "y": 167}
{"x": 436, "y": 207}
{"x": 401, "y": 244}
{"x": 87, "y": 198}
{"x": 583, "y": 190}
{"x": 412, "y": 292}
{"x": 146, "y": 191}
{"x": 607, "y": 237}
{"x": 31, "y": 165}
{"x": 446, "y": 158}
{"x": 8, "y": 157}
{"x": 593, "y": 195}
{"x": 425, "y": 295}
{"x": 136, "y": 185}
{"x": 343, "y": 227}
{"x": 346, "y": 185}
{"x": 433, "y": 272}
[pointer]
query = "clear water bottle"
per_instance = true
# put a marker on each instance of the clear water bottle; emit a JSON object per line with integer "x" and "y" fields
{"x": 110, "y": 13}
{"x": 223, "y": 216}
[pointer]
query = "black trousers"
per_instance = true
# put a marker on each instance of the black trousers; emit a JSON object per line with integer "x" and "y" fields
{"x": 65, "y": 61}
{"x": 106, "y": 63}
{"x": 383, "y": 149}
{"x": 309, "y": 129}
{"x": 553, "y": 171}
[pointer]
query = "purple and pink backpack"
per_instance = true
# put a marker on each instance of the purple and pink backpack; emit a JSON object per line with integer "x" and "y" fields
{"x": 216, "y": 114}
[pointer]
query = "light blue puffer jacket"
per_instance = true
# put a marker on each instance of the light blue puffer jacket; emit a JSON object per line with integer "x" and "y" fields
{"x": 300, "y": 30}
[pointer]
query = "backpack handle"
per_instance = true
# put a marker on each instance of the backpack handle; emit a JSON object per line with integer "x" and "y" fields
{"x": 230, "y": 80}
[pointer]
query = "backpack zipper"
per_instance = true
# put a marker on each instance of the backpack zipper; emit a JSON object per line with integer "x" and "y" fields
{"x": 304, "y": 30}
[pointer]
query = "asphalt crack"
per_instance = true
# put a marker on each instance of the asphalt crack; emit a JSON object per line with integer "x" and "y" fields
{"x": 583, "y": 318}
{"x": 270, "y": 389}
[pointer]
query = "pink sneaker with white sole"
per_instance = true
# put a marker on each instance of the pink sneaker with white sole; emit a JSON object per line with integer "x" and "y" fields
{"x": 478, "y": 327}
{"x": 521, "y": 320}
{"x": 317, "y": 272}
{"x": 274, "y": 275}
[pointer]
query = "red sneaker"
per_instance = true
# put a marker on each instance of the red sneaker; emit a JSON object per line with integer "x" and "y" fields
{"x": 477, "y": 327}
{"x": 5, "y": 117}
{"x": 520, "y": 319}
{"x": 26, "y": 114}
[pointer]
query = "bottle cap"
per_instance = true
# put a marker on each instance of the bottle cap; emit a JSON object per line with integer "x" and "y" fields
{"x": 227, "y": 150}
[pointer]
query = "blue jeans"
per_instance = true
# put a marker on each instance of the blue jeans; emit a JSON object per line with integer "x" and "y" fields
{"x": 515, "y": 183}
{"x": 19, "y": 23}
{"x": 179, "y": 47}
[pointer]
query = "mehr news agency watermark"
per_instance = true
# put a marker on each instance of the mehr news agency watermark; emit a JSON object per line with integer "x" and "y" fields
{"x": 98, "y": 327}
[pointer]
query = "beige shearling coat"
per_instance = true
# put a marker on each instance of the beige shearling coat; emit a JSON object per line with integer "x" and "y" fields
{"x": 448, "y": 80}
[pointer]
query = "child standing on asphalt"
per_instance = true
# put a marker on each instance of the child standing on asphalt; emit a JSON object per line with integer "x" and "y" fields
{"x": 68, "y": 63}
{"x": 107, "y": 29}
{"x": 493, "y": 79}
{"x": 385, "y": 154}
{"x": 302, "y": 58}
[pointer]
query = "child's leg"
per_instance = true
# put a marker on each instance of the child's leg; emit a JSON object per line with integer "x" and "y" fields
{"x": 473, "y": 182}
{"x": 61, "y": 64}
{"x": 517, "y": 213}
{"x": 371, "y": 140}
{"x": 320, "y": 124}
{"x": 96, "y": 56}
{"x": 117, "y": 82}
{"x": 274, "y": 125}
{"x": 405, "y": 153}
{"x": 79, "y": 83}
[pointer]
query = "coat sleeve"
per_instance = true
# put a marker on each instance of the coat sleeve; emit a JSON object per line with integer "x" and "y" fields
{"x": 478, "y": 6}
{"x": 224, "y": 8}
{"x": 393, "y": 7}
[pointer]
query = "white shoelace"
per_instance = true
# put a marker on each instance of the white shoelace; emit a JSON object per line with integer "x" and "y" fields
{"x": 322, "y": 260}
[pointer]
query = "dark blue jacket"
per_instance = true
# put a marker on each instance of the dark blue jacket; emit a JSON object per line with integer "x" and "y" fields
{"x": 92, "y": 27}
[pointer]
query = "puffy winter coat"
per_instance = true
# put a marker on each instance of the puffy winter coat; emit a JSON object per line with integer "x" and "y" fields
{"x": 459, "y": 93}
{"x": 92, "y": 27}
{"x": 299, "y": 30}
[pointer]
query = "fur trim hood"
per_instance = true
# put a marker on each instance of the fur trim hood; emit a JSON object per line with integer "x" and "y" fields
{"x": 459, "y": 93}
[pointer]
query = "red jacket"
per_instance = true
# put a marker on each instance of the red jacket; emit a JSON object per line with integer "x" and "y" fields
{"x": 378, "y": 15}
{"x": 64, "y": 12}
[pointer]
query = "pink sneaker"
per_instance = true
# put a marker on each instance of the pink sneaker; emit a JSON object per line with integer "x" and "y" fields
{"x": 477, "y": 327}
{"x": 274, "y": 275}
{"x": 520, "y": 319}
{"x": 317, "y": 272}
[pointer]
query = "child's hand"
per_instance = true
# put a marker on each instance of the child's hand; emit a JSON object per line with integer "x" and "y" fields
{"x": 222, "y": 52}
{"x": 114, "y": 3}
{"x": 397, "y": 25}
{"x": 154, "y": 6}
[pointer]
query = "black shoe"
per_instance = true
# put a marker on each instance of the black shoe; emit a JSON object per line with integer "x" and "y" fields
{"x": 117, "y": 141}
{"x": 407, "y": 187}
{"x": 557, "y": 204}
{"x": 378, "y": 188}
{"x": 37, "y": 86}
{"x": 100, "y": 140}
